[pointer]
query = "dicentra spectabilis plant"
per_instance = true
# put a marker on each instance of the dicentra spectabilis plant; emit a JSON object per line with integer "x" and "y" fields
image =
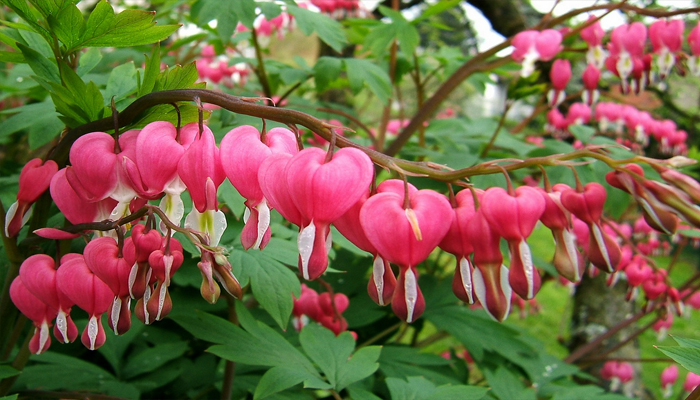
{"x": 299, "y": 189}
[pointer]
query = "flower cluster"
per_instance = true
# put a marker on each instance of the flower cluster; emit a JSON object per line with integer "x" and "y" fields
{"x": 326, "y": 309}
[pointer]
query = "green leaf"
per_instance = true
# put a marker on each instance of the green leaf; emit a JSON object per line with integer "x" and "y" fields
{"x": 477, "y": 333}
{"x": 261, "y": 345}
{"x": 227, "y": 15}
{"x": 25, "y": 118}
{"x": 209, "y": 327}
{"x": 50, "y": 7}
{"x": 332, "y": 354}
{"x": 10, "y": 397}
{"x": 269, "y": 9}
{"x": 688, "y": 357}
{"x": 177, "y": 77}
{"x": 329, "y": 30}
{"x": 685, "y": 342}
{"x": 400, "y": 29}
{"x": 462, "y": 392}
{"x": 40, "y": 65}
{"x": 6, "y": 371}
{"x": 44, "y": 128}
{"x": 326, "y": 70}
{"x": 121, "y": 82}
{"x": 582, "y": 132}
{"x": 361, "y": 72}
{"x": 435, "y": 9}
{"x": 68, "y": 25}
{"x": 507, "y": 386}
{"x": 403, "y": 362}
{"x": 415, "y": 388}
{"x": 21, "y": 8}
{"x": 12, "y": 57}
{"x": 151, "y": 71}
{"x": 277, "y": 379}
{"x": 273, "y": 284}
{"x": 126, "y": 29}
{"x": 154, "y": 357}
{"x": 88, "y": 61}
{"x": 58, "y": 371}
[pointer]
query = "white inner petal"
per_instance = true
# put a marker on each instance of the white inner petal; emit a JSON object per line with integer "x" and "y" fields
{"x": 116, "y": 310}
{"x": 466, "y": 272}
{"x": 161, "y": 299}
{"x": 62, "y": 325}
{"x": 263, "y": 221}
{"x": 93, "y": 330}
{"x": 174, "y": 209}
{"x": 526, "y": 260}
{"x": 570, "y": 246}
{"x": 43, "y": 336}
{"x": 378, "y": 275}
{"x": 132, "y": 279}
{"x": 411, "y": 294}
{"x": 9, "y": 215}
{"x": 505, "y": 287}
{"x": 600, "y": 242}
{"x": 305, "y": 243}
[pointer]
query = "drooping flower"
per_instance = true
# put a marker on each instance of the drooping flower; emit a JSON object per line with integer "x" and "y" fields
{"x": 323, "y": 190}
{"x": 201, "y": 171}
{"x": 405, "y": 232}
{"x": 37, "y": 311}
{"x": 559, "y": 75}
{"x": 243, "y": 150}
{"x": 531, "y": 46}
{"x": 34, "y": 179}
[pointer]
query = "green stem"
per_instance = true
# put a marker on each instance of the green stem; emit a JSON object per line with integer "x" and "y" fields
{"x": 19, "y": 362}
{"x": 8, "y": 312}
{"x": 260, "y": 70}
{"x": 501, "y": 122}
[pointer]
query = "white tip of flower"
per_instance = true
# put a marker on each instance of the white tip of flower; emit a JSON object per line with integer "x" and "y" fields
{"x": 305, "y": 243}
{"x": 465, "y": 270}
{"x": 62, "y": 325}
{"x": 116, "y": 311}
{"x": 174, "y": 209}
{"x": 93, "y": 331}
{"x": 263, "y": 221}
{"x": 411, "y": 294}
{"x": 43, "y": 336}
{"x": 378, "y": 275}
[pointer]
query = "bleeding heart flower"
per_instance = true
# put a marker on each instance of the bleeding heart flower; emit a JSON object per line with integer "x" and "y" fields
{"x": 457, "y": 242}
{"x": 559, "y": 75}
{"x": 73, "y": 206}
{"x": 514, "y": 217}
{"x": 36, "y": 310}
{"x": 113, "y": 267}
{"x": 38, "y": 273}
{"x": 531, "y": 46}
{"x": 33, "y": 181}
{"x": 243, "y": 151}
{"x": 322, "y": 192}
{"x": 406, "y": 236}
{"x": 382, "y": 282}
{"x": 88, "y": 292}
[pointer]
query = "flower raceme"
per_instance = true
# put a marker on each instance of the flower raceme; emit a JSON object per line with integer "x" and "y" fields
{"x": 531, "y": 46}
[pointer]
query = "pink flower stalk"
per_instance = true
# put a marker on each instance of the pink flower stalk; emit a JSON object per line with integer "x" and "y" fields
{"x": 38, "y": 274}
{"x": 666, "y": 38}
{"x": 382, "y": 282}
{"x": 243, "y": 151}
{"x": 603, "y": 251}
{"x": 323, "y": 190}
{"x": 593, "y": 35}
{"x": 100, "y": 169}
{"x": 559, "y": 75}
{"x": 89, "y": 293}
{"x": 513, "y": 216}
{"x": 531, "y": 46}
{"x": 691, "y": 382}
{"x": 37, "y": 311}
{"x": 34, "y": 179}
{"x": 490, "y": 277}
{"x": 668, "y": 378}
{"x": 590, "y": 77}
{"x": 201, "y": 171}
{"x": 457, "y": 242}
{"x": 405, "y": 232}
